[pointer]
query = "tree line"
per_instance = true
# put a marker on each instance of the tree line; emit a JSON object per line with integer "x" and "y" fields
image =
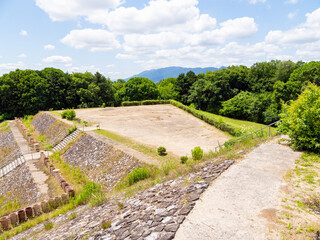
{"x": 253, "y": 93}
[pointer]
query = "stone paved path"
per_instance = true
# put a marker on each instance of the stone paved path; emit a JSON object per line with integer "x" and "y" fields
{"x": 39, "y": 176}
{"x": 238, "y": 205}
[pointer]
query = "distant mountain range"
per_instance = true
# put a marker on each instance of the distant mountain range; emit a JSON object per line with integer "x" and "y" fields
{"x": 162, "y": 73}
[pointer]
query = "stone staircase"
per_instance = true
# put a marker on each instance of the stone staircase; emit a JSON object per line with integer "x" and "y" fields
{"x": 11, "y": 166}
{"x": 61, "y": 145}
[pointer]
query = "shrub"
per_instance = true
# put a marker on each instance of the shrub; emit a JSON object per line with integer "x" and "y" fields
{"x": 48, "y": 226}
{"x": 197, "y": 153}
{"x": 301, "y": 120}
{"x": 161, "y": 150}
{"x": 138, "y": 174}
{"x": 68, "y": 114}
{"x": 103, "y": 105}
{"x": 183, "y": 159}
{"x": 72, "y": 129}
{"x": 105, "y": 224}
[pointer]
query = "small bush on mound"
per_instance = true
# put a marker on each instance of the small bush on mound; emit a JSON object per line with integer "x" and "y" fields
{"x": 138, "y": 174}
{"x": 161, "y": 151}
{"x": 183, "y": 159}
{"x": 68, "y": 114}
{"x": 72, "y": 129}
{"x": 197, "y": 153}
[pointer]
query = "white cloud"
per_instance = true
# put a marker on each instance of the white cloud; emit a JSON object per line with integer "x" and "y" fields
{"x": 257, "y": 1}
{"x": 159, "y": 15}
{"x": 83, "y": 69}
{"x": 49, "y": 47}
{"x": 307, "y": 32}
{"x": 291, "y": 15}
{"x": 61, "y": 10}
{"x": 58, "y": 59}
{"x": 110, "y": 66}
{"x": 22, "y": 55}
{"x": 230, "y": 29}
{"x": 12, "y": 66}
{"x": 291, "y": 2}
{"x": 125, "y": 56}
{"x": 150, "y": 42}
{"x": 93, "y": 39}
{"x": 309, "y": 51}
{"x": 23, "y": 33}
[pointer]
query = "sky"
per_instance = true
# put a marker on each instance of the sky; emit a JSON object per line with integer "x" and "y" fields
{"x": 120, "y": 38}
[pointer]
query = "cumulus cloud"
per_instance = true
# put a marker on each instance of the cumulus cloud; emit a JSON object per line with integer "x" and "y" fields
{"x": 291, "y": 2}
{"x": 12, "y": 66}
{"x": 58, "y": 59}
{"x": 49, "y": 47}
{"x": 93, "y": 39}
{"x": 291, "y": 15}
{"x": 23, "y": 33}
{"x": 126, "y": 56}
{"x": 61, "y": 10}
{"x": 22, "y": 55}
{"x": 257, "y": 1}
{"x": 305, "y": 33}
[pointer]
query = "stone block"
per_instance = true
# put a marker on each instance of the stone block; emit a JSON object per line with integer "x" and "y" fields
{"x": 5, "y": 222}
{"x": 29, "y": 212}
{"x": 45, "y": 206}
{"x": 36, "y": 209}
{"x": 22, "y": 216}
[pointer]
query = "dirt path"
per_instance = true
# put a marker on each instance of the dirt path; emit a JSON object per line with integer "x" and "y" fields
{"x": 242, "y": 203}
{"x": 138, "y": 155}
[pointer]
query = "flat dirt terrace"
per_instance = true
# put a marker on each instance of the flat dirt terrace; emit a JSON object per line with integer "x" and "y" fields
{"x": 157, "y": 125}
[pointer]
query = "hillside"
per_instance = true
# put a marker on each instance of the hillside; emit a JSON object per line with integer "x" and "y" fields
{"x": 162, "y": 73}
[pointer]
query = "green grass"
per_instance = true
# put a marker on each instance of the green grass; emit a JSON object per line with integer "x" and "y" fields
{"x": 8, "y": 206}
{"x": 145, "y": 149}
{"x": 4, "y": 127}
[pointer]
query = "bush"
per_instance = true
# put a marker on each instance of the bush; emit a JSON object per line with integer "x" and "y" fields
{"x": 161, "y": 150}
{"x": 72, "y": 129}
{"x": 68, "y": 114}
{"x": 183, "y": 159}
{"x": 135, "y": 176}
{"x": 301, "y": 120}
{"x": 197, "y": 153}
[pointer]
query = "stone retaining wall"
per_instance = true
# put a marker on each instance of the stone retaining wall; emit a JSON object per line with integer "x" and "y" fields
{"x": 47, "y": 125}
{"x": 19, "y": 183}
{"x": 9, "y": 149}
{"x": 100, "y": 162}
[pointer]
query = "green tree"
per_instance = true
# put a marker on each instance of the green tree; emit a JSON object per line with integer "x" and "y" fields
{"x": 138, "y": 89}
{"x": 167, "y": 89}
{"x": 301, "y": 119}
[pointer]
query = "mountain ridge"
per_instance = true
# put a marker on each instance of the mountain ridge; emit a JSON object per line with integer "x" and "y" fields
{"x": 162, "y": 73}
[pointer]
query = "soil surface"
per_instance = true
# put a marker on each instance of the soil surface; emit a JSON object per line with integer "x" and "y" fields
{"x": 158, "y": 125}
{"x": 243, "y": 202}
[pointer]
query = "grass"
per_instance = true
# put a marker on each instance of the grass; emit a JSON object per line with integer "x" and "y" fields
{"x": 145, "y": 149}
{"x": 7, "y": 205}
{"x": 4, "y": 126}
{"x": 48, "y": 226}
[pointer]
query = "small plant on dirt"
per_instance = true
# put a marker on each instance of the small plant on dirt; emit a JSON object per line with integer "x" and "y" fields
{"x": 137, "y": 175}
{"x": 120, "y": 205}
{"x": 72, "y": 129}
{"x": 68, "y": 114}
{"x": 161, "y": 151}
{"x": 72, "y": 216}
{"x": 97, "y": 199}
{"x": 183, "y": 159}
{"x": 48, "y": 226}
{"x": 105, "y": 224}
{"x": 197, "y": 153}
{"x": 313, "y": 203}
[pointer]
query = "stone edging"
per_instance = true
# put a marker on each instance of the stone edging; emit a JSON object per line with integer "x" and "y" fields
{"x": 23, "y": 130}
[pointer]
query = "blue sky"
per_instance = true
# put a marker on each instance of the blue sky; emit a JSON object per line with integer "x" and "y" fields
{"x": 120, "y": 38}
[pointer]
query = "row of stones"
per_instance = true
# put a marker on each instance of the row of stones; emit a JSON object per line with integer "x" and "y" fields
{"x": 22, "y": 215}
{"x": 56, "y": 173}
{"x": 24, "y": 132}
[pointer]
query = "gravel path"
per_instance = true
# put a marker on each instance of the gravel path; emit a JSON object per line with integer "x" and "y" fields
{"x": 243, "y": 202}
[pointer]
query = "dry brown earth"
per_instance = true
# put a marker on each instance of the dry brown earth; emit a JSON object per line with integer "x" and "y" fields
{"x": 158, "y": 125}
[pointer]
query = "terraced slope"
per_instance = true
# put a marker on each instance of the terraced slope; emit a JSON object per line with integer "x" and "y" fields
{"x": 53, "y": 129}
{"x": 100, "y": 161}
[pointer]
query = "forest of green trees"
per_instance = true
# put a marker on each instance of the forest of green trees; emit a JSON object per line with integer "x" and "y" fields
{"x": 255, "y": 94}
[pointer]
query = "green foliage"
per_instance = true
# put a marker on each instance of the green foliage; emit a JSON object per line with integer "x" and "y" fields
{"x": 161, "y": 150}
{"x": 145, "y": 102}
{"x": 197, "y": 153}
{"x": 105, "y": 224}
{"x": 48, "y": 226}
{"x": 183, "y": 159}
{"x": 68, "y": 114}
{"x": 134, "y": 176}
{"x": 72, "y": 129}
{"x": 7, "y": 205}
{"x": 301, "y": 119}
{"x": 89, "y": 194}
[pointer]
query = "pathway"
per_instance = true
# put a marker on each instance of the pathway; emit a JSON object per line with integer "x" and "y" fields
{"x": 242, "y": 203}
{"x": 38, "y": 175}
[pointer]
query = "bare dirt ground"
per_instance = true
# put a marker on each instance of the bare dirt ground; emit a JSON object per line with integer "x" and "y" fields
{"x": 244, "y": 201}
{"x": 158, "y": 125}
